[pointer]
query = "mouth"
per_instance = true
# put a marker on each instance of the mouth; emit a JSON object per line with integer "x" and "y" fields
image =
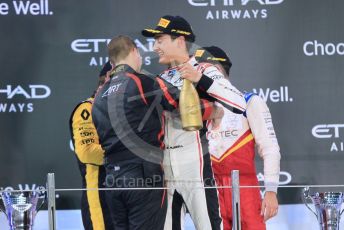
{"x": 160, "y": 53}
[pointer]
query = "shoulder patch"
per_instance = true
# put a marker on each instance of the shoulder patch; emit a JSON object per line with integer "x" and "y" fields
{"x": 173, "y": 77}
{"x": 248, "y": 95}
{"x": 85, "y": 114}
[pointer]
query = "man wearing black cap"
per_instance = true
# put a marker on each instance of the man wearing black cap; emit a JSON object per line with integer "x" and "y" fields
{"x": 89, "y": 154}
{"x": 236, "y": 152}
{"x": 183, "y": 156}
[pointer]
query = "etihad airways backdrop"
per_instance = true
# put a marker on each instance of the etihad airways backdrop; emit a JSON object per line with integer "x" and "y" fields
{"x": 290, "y": 52}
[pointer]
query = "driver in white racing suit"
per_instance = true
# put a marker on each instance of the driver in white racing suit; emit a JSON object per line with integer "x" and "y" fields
{"x": 183, "y": 156}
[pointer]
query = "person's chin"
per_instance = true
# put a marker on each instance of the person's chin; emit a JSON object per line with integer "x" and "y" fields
{"x": 163, "y": 61}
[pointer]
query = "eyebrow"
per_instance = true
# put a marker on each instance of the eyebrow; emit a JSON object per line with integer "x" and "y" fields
{"x": 158, "y": 36}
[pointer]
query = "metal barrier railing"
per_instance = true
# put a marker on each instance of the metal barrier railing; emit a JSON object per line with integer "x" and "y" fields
{"x": 235, "y": 186}
{"x": 236, "y": 200}
{"x": 51, "y": 201}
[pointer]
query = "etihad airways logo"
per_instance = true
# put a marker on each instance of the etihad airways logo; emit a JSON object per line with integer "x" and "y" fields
{"x": 14, "y": 98}
{"x": 235, "y": 9}
{"x": 96, "y": 49}
{"x": 333, "y": 132}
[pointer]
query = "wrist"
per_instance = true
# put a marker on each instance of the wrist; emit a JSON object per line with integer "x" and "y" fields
{"x": 204, "y": 82}
{"x": 271, "y": 186}
{"x": 198, "y": 77}
{"x": 270, "y": 193}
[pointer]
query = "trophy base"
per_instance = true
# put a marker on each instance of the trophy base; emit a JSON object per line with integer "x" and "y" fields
{"x": 329, "y": 226}
{"x": 21, "y": 228}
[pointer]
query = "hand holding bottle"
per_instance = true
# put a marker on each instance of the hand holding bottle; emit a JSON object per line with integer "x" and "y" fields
{"x": 187, "y": 71}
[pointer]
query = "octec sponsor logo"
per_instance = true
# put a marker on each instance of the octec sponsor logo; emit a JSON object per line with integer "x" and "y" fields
{"x": 95, "y": 46}
{"x": 333, "y": 132}
{"x": 18, "y": 93}
{"x": 223, "y": 134}
{"x": 239, "y": 9}
{"x": 315, "y": 48}
{"x": 274, "y": 95}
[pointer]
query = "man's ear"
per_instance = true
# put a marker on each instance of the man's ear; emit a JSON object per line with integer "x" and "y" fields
{"x": 138, "y": 51}
{"x": 181, "y": 41}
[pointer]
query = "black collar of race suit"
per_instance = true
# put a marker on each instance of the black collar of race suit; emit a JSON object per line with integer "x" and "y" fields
{"x": 122, "y": 68}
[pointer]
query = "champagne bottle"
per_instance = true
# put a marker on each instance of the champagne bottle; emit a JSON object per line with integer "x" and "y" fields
{"x": 190, "y": 108}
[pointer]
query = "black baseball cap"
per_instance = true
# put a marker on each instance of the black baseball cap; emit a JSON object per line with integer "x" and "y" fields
{"x": 172, "y": 25}
{"x": 106, "y": 67}
{"x": 214, "y": 54}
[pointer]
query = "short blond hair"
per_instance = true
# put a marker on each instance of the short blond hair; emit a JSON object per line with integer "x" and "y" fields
{"x": 120, "y": 47}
